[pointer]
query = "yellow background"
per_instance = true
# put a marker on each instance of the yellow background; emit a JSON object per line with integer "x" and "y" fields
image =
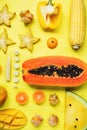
{"x": 39, "y": 49}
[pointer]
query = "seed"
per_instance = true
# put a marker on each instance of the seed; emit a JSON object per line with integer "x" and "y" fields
{"x": 76, "y": 119}
{"x": 63, "y": 71}
{"x": 70, "y": 105}
{"x": 75, "y": 126}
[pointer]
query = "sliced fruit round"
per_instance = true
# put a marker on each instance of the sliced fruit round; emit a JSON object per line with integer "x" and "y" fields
{"x": 22, "y": 98}
{"x": 39, "y": 96}
{"x": 76, "y": 112}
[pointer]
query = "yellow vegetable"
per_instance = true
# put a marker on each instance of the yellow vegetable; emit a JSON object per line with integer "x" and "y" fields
{"x": 49, "y": 14}
{"x": 77, "y": 23}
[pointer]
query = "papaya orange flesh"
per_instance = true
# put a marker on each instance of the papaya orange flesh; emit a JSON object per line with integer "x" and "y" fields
{"x": 55, "y": 71}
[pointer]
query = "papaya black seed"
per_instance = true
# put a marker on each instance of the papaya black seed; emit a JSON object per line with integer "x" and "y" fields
{"x": 61, "y": 71}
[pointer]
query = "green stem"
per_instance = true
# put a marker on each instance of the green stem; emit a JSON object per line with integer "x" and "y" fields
{"x": 50, "y": 2}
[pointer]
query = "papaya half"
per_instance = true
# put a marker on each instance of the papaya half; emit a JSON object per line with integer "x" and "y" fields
{"x": 58, "y": 71}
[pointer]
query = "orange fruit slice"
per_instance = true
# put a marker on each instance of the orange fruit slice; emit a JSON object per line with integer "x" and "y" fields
{"x": 39, "y": 97}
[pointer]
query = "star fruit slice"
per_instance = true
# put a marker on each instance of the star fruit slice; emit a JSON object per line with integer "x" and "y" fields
{"x": 28, "y": 40}
{"x": 6, "y": 16}
{"x": 5, "y": 41}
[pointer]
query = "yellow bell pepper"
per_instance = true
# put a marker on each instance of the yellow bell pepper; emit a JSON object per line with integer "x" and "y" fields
{"x": 49, "y": 15}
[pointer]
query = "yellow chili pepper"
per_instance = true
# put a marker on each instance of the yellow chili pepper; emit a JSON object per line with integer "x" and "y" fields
{"x": 49, "y": 15}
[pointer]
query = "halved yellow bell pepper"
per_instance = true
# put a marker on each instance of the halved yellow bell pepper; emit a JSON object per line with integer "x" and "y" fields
{"x": 49, "y": 15}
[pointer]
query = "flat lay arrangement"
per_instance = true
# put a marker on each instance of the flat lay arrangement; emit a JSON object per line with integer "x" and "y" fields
{"x": 43, "y": 68}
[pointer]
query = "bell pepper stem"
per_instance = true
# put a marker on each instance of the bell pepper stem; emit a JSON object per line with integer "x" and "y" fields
{"x": 50, "y": 2}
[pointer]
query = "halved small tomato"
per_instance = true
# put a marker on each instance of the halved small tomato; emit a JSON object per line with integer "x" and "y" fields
{"x": 39, "y": 96}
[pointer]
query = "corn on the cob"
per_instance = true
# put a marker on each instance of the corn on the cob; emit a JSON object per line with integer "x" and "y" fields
{"x": 77, "y": 23}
